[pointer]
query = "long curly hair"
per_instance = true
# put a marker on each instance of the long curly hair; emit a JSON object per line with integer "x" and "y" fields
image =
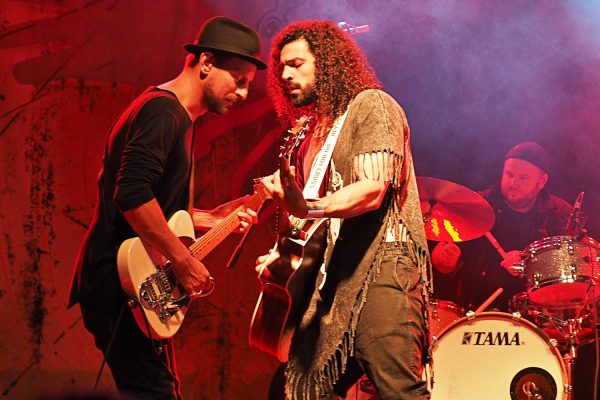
{"x": 341, "y": 69}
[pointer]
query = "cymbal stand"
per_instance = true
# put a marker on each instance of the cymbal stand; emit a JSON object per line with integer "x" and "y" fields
{"x": 572, "y": 338}
{"x": 570, "y": 356}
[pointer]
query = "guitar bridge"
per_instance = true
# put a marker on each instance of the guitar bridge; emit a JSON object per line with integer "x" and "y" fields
{"x": 156, "y": 295}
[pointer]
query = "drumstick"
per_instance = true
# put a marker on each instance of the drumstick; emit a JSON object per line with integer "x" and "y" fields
{"x": 489, "y": 300}
{"x": 495, "y": 244}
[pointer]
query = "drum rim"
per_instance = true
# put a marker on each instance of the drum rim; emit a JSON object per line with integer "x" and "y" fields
{"x": 553, "y": 281}
{"x": 522, "y": 297}
{"x": 549, "y": 240}
{"x": 579, "y": 278}
{"x": 435, "y": 302}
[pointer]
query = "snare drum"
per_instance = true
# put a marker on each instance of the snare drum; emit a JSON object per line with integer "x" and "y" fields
{"x": 561, "y": 270}
{"x": 494, "y": 355}
{"x": 442, "y": 313}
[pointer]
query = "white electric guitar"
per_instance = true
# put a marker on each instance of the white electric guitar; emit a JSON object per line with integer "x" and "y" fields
{"x": 158, "y": 301}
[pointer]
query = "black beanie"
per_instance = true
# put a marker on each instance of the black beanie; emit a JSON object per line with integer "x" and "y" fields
{"x": 530, "y": 152}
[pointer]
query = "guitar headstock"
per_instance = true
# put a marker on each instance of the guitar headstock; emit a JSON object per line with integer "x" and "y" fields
{"x": 294, "y": 136}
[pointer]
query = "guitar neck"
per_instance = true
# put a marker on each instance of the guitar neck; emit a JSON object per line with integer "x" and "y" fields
{"x": 218, "y": 233}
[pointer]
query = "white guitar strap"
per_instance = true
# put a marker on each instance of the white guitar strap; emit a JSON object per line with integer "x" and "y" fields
{"x": 321, "y": 161}
{"x": 311, "y": 190}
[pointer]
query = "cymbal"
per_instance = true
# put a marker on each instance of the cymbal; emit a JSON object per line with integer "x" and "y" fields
{"x": 451, "y": 212}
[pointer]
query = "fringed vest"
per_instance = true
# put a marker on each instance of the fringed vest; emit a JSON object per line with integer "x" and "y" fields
{"x": 324, "y": 339}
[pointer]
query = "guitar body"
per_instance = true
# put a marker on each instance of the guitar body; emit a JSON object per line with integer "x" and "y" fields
{"x": 287, "y": 281}
{"x": 138, "y": 266}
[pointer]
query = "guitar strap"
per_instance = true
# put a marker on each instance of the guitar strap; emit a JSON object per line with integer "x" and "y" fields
{"x": 321, "y": 161}
{"x": 311, "y": 190}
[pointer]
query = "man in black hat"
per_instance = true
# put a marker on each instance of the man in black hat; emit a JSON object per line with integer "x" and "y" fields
{"x": 145, "y": 178}
{"x": 524, "y": 212}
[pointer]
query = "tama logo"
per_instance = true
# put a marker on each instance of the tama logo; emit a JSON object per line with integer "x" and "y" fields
{"x": 491, "y": 339}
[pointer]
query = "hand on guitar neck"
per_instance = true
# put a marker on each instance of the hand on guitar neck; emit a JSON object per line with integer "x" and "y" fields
{"x": 282, "y": 185}
{"x": 284, "y": 189}
{"x": 208, "y": 219}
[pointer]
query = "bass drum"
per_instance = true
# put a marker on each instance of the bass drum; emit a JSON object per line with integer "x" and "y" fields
{"x": 496, "y": 356}
{"x": 442, "y": 313}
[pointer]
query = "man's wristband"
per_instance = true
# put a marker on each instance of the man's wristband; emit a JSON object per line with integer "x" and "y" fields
{"x": 314, "y": 213}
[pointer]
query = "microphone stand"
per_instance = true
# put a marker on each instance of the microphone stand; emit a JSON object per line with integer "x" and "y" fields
{"x": 573, "y": 228}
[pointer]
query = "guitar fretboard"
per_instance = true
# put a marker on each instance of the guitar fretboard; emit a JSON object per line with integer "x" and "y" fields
{"x": 230, "y": 223}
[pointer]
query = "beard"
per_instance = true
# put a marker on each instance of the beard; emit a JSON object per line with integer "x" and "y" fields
{"x": 213, "y": 103}
{"x": 307, "y": 96}
{"x": 519, "y": 199}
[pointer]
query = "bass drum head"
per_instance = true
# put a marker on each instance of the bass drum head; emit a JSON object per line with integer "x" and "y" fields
{"x": 494, "y": 356}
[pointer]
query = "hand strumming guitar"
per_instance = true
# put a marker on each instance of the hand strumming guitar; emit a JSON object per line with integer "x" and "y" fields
{"x": 284, "y": 190}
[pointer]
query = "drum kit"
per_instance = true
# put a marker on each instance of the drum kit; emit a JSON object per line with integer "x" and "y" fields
{"x": 526, "y": 354}
{"x": 530, "y": 352}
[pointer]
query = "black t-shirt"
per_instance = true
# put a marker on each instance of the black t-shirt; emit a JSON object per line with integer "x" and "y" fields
{"x": 148, "y": 156}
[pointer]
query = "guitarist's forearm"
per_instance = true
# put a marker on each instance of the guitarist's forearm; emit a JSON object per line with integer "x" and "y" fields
{"x": 352, "y": 200}
{"x": 149, "y": 223}
{"x": 207, "y": 219}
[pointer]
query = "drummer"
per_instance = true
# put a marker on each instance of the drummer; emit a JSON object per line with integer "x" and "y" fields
{"x": 524, "y": 211}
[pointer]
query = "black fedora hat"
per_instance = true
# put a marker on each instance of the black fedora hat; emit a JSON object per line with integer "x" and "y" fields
{"x": 229, "y": 36}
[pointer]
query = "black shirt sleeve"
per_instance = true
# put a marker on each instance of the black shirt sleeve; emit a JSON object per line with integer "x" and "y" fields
{"x": 145, "y": 154}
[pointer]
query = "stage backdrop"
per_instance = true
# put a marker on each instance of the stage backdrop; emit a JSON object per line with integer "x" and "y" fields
{"x": 475, "y": 78}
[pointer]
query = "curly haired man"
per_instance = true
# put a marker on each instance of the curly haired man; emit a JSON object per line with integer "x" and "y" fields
{"x": 366, "y": 314}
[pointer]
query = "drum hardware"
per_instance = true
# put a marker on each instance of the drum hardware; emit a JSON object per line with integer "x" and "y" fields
{"x": 555, "y": 321}
{"x": 576, "y": 222}
{"x": 534, "y": 383}
{"x": 516, "y": 316}
{"x": 519, "y": 269}
{"x": 532, "y": 391}
{"x": 569, "y": 327}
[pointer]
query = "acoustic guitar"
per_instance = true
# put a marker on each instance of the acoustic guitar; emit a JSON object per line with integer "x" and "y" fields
{"x": 287, "y": 279}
